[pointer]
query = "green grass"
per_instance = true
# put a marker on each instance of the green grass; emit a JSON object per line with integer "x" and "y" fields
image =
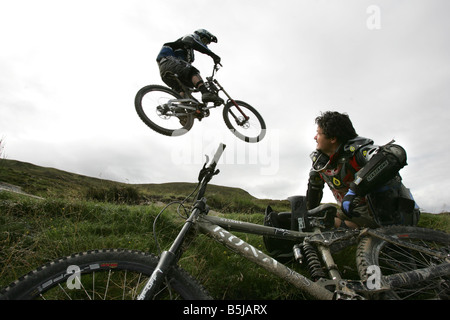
{"x": 71, "y": 218}
{"x": 34, "y": 232}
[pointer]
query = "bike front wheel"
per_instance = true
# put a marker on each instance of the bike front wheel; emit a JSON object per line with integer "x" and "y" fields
{"x": 112, "y": 274}
{"x": 244, "y": 121}
{"x": 160, "y": 109}
{"x": 393, "y": 258}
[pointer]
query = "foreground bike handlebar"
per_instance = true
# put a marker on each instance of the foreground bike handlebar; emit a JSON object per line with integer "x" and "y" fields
{"x": 217, "y": 155}
{"x": 207, "y": 172}
{"x": 169, "y": 257}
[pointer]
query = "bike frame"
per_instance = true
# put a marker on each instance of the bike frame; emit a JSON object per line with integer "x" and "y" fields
{"x": 214, "y": 228}
{"x": 219, "y": 228}
{"x": 186, "y": 102}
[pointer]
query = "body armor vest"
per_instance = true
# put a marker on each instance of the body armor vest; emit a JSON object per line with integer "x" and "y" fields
{"x": 339, "y": 170}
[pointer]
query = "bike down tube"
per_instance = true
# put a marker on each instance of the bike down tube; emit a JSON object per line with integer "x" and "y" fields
{"x": 414, "y": 276}
{"x": 257, "y": 256}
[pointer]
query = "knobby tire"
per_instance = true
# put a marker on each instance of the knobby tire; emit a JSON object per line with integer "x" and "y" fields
{"x": 111, "y": 274}
{"x": 392, "y": 259}
{"x": 235, "y": 128}
{"x": 146, "y": 118}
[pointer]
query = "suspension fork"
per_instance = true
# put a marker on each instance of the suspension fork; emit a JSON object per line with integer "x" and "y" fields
{"x": 169, "y": 258}
{"x": 235, "y": 104}
{"x": 328, "y": 260}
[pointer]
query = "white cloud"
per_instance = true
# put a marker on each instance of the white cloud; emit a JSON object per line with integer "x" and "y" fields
{"x": 69, "y": 71}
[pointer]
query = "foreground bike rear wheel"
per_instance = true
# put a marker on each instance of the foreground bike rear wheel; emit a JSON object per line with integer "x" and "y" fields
{"x": 392, "y": 259}
{"x": 155, "y": 106}
{"x": 112, "y": 274}
{"x": 244, "y": 121}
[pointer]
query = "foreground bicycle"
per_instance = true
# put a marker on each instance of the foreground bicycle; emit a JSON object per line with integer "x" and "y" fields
{"x": 396, "y": 262}
{"x": 166, "y": 112}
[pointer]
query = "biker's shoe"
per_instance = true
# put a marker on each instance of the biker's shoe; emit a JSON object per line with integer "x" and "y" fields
{"x": 183, "y": 120}
{"x": 211, "y": 97}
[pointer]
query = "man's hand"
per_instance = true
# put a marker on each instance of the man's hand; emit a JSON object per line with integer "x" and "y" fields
{"x": 349, "y": 203}
{"x": 216, "y": 58}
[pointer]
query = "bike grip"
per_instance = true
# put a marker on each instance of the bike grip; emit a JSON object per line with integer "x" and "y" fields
{"x": 218, "y": 154}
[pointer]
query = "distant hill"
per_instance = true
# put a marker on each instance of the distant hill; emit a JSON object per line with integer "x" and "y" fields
{"x": 54, "y": 183}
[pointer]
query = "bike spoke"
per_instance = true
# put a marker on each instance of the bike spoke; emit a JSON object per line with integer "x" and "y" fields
{"x": 396, "y": 259}
{"x": 244, "y": 122}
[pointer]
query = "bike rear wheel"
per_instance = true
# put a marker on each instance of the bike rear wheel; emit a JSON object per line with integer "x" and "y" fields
{"x": 392, "y": 259}
{"x": 244, "y": 121}
{"x": 154, "y": 106}
{"x": 111, "y": 274}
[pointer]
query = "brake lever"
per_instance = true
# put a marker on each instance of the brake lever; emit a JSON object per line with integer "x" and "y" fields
{"x": 204, "y": 170}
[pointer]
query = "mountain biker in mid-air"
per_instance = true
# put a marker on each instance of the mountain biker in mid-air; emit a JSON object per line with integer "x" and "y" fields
{"x": 363, "y": 177}
{"x": 177, "y": 57}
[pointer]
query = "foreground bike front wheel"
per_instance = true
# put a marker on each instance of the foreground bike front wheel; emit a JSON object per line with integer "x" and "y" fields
{"x": 160, "y": 109}
{"x": 429, "y": 246}
{"x": 244, "y": 121}
{"x": 112, "y": 274}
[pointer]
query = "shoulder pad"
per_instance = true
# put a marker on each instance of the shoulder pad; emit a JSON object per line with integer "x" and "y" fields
{"x": 356, "y": 143}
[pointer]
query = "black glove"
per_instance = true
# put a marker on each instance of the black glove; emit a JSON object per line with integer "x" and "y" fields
{"x": 216, "y": 58}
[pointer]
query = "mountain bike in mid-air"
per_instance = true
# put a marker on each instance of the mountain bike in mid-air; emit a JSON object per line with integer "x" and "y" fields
{"x": 168, "y": 113}
{"x": 393, "y": 262}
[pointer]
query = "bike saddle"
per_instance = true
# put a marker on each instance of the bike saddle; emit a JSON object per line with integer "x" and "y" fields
{"x": 322, "y": 216}
{"x": 323, "y": 210}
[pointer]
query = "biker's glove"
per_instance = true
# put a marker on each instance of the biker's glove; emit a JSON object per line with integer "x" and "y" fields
{"x": 216, "y": 58}
{"x": 349, "y": 203}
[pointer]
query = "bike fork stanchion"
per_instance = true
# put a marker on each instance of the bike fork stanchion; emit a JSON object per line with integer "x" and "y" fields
{"x": 168, "y": 258}
{"x": 234, "y": 103}
{"x": 331, "y": 266}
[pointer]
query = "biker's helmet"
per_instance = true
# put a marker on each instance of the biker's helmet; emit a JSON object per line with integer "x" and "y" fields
{"x": 206, "y": 36}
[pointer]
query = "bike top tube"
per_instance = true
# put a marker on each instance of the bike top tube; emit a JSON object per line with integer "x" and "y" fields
{"x": 257, "y": 229}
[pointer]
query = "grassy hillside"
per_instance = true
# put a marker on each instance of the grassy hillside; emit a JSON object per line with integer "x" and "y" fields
{"x": 53, "y": 183}
{"x": 77, "y": 213}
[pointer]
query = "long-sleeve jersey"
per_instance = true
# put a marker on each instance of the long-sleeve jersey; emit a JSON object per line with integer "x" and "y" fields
{"x": 183, "y": 49}
{"x": 339, "y": 170}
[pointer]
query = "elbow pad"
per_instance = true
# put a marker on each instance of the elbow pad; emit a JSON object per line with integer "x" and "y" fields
{"x": 315, "y": 190}
{"x": 381, "y": 168}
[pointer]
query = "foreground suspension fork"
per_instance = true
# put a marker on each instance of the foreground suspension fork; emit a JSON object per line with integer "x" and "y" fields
{"x": 168, "y": 258}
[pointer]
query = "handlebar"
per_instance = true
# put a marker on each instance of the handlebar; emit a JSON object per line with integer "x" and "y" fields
{"x": 216, "y": 68}
{"x": 217, "y": 156}
{"x": 207, "y": 172}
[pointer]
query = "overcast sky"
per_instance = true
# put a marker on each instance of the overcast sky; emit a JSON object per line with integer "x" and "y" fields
{"x": 69, "y": 71}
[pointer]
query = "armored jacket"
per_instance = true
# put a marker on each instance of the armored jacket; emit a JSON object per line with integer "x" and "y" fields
{"x": 389, "y": 203}
{"x": 183, "y": 48}
{"x": 339, "y": 170}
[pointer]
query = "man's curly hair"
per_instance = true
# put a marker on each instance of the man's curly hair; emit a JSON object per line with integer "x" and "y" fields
{"x": 336, "y": 125}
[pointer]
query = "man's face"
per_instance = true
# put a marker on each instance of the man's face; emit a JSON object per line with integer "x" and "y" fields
{"x": 324, "y": 144}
